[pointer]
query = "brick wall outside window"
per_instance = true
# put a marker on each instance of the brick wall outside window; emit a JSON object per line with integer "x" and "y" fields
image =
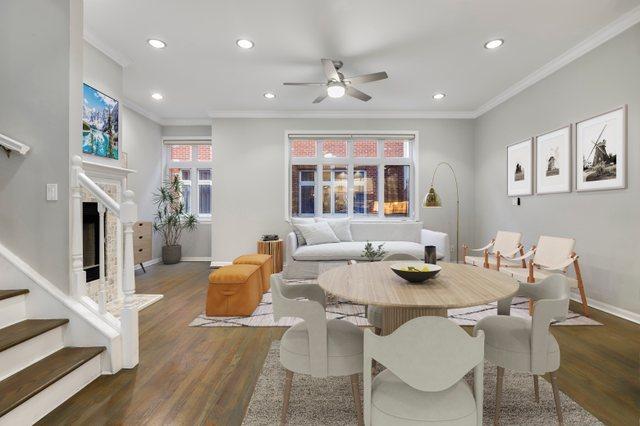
{"x": 204, "y": 152}
{"x": 180, "y": 152}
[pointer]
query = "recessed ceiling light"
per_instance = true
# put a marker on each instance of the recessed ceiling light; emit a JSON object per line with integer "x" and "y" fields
{"x": 494, "y": 44}
{"x": 158, "y": 44}
{"x": 269, "y": 95}
{"x": 244, "y": 43}
{"x": 157, "y": 96}
{"x": 439, "y": 96}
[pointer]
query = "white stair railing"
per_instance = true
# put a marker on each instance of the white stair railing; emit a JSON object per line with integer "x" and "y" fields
{"x": 127, "y": 214}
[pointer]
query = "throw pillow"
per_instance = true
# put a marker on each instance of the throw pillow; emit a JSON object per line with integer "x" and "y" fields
{"x": 318, "y": 233}
{"x": 295, "y": 221}
{"x": 341, "y": 227}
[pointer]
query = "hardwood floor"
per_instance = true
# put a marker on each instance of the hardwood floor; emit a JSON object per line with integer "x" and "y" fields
{"x": 192, "y": 376}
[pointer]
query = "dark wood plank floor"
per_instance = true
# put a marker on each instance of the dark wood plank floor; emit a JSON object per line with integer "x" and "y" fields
{"x": 206, "y": 376}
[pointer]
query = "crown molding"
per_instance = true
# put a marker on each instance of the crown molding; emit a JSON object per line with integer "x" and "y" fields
{"x": 605, "y": 34}
{"x": 344, "y": 114}
{"x": 186, "y": 122}
{"x": 128, "y": 103}
{"x": 118, "y": 57}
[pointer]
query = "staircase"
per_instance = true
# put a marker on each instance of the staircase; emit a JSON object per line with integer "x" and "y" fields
{"x": 37, "y": 371}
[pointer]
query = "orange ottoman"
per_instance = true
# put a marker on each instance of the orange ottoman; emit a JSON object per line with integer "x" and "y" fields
{"x": 234, "y": 290}
{"x": 265, "y": 264}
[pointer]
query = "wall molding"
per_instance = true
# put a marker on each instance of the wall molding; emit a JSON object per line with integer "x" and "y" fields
{"x": 610, "y": 309}
{"x": 118, "y": 57}
{"x": 128, "y": 103}
{"x": 195, "y": 259}
{"x": 344, "y": 114}
{"x": 605, "y": 34}
{"x": 148, "y": 263}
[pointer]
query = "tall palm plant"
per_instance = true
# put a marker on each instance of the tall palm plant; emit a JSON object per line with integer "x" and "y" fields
{"x": 171, "y": 218}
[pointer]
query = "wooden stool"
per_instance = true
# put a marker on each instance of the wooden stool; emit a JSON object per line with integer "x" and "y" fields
{"x": 261, "y": 260}
{"x": 276, "y": 249}
{"x": 234, "y": 290}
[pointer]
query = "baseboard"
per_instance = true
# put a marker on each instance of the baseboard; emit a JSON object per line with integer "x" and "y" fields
{"x": 610, "y": 309}
{"x": 196, "y": 259}
{"x": 219, "y": 264}
{"x": 148, "y": 263}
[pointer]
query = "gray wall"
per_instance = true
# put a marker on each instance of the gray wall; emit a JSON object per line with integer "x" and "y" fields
{"x": 249, "y": 175}
{"x": 41, "y": 53}
{"x": 143, "y": 138}
{"x": 179, "y": 131}
{"x": 605, "y": 224}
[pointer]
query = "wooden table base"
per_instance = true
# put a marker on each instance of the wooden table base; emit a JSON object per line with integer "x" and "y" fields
{"x": 393, "y": 318}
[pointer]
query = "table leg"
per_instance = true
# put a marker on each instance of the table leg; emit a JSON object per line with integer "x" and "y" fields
{"x": 393, "y": 318}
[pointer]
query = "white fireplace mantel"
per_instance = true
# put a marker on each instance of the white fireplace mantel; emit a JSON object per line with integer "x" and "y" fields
{"x": 106, "y": 170}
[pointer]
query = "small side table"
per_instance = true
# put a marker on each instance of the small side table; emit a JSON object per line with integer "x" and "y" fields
{"x": 276, "y": 250}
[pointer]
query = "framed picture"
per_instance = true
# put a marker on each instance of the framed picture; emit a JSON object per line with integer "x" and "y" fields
{"x": 553, "y": 161}
{"x": 601, "y": 151}
{"x": 100, "y": 123}
{"x": 520, "y": 168}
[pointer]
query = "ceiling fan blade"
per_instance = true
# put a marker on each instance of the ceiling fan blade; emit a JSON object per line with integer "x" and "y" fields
{"x": 330, "y": 70}
{"x": 304, "y": 84}
{"x": 367, "y": 78}
{"x": 319, "y": 99}
{"x": 353, "y": 92}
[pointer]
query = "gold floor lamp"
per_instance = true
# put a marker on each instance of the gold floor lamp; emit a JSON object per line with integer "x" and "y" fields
{"x": 432, "y": 200}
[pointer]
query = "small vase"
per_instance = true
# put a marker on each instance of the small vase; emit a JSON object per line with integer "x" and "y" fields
{"x": 430, "y": 255}
{"x": 171, "y": 254}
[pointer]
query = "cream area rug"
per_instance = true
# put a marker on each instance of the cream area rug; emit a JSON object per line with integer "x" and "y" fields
{"x": 140, "y": 301}
{"x": 354, "y": 313}
{"x": 329, "y": 402}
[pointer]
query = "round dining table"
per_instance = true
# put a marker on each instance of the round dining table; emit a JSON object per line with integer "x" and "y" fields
{"x": 455, "y": 286}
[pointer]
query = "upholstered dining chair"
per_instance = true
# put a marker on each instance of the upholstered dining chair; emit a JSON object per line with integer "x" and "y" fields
{"x": 525, "y": 344}
{"x": 426, "y": 360}
{"x": 500, "y": 249}
{"x": 374, "y": 313}
{"x": 551, "y": 255}
{"x": 316, "y": 346}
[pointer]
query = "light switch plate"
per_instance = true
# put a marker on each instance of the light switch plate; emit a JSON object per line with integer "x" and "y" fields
{"x": 52, "y": 192}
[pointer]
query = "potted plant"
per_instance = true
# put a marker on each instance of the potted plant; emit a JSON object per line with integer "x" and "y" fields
{"x": 171, "y": 219}
{"x": 371, "y": 253}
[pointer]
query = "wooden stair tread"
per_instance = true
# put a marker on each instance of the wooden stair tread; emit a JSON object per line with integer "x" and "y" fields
{"x": 24, "y": 330}
{"x": 5, "y": 294}
{"x": 16, "y": 389}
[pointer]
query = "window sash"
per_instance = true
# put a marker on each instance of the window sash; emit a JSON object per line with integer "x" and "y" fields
{"x": 194, "y": 166}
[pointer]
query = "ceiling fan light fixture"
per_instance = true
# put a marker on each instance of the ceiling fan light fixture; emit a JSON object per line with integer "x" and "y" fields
{"x": 336, "y": 89}
{"x": 494, "y": 44}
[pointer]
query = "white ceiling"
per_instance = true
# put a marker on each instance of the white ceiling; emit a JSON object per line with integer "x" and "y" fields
{"x": 426, "y": 46}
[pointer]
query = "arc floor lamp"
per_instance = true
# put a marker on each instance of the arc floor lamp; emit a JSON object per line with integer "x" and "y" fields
{"x": 433, "y": 200}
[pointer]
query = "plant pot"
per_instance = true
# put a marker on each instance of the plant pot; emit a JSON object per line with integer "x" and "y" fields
{"x": 171, "y": 254}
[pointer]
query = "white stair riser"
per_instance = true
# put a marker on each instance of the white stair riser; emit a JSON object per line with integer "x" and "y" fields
{"x": 13, "y": 310}
{"x": 46, "y": 401}
{"x": 26, "y": 353}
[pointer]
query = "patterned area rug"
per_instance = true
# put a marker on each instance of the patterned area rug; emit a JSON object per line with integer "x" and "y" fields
{"x": 354, "y": 313}
{"x": 329, "y": 402}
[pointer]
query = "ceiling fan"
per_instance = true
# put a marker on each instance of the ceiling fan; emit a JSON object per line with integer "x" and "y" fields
{"x": 338, "y": 86}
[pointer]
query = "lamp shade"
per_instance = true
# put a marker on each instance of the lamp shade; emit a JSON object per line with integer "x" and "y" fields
{"x": 432, "y": 199}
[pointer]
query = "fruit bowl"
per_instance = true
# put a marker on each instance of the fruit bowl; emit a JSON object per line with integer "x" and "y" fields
{"x": 415, "y": 272}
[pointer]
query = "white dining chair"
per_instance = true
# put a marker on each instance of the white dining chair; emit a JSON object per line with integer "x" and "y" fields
{"x": 374, "y": 313}
{"x": 500, "y": 249}
{"x": 316, "y": 346}
{"x": 525, "y": 344}
{"x": 426, "y": 360}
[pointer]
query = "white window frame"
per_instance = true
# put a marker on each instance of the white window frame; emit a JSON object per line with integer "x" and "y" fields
{"x": 194, "y": 165}
{"x": 350, "y": 162}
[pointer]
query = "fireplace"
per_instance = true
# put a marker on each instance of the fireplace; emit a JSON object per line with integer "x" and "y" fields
{"x": 91, "y": 241}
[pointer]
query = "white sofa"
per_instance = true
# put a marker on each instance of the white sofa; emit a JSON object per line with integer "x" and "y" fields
{"x": 308, "y": 261}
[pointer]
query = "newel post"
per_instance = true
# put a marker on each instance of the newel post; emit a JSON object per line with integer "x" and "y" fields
{"x": 129, "y": 317}
{"x": 78, "y": 276}
{"x": 102, "y": 291}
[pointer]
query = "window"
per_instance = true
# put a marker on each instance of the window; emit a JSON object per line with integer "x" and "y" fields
{"x": 360, "y": 176}
{"x": 192, "y": 163}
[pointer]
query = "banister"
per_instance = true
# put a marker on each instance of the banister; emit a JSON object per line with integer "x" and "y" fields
{"x": 9, "y": 144}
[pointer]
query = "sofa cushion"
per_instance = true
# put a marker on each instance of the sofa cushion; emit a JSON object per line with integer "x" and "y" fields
{"x": 295, "y": 221}
{"x": 386, "y": 231}
{"x": 318, "y": 233}
{"x": 353, "y": 250}
{"x": 341, "y": 227}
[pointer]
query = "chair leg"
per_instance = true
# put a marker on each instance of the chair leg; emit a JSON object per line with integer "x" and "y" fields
{"x": 500, "y": 379}
{"x": 536, "y": 389}
{"x": 583, "y": 295}
{"x": 285, "y": 398}
{"x": 355, "y": 388}
{"x": 556, "y": 396}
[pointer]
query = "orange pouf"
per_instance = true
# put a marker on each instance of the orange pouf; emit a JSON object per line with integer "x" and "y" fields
{"x": 234, "y": 290}
{"x": 263, "y": 261}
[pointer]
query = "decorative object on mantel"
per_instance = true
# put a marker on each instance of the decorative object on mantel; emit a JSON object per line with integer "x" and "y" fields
{"x": 601, "y": 151}
{"x": 520, "y": 168}
{"x": 276, "y": 249}
{"x": 373, "y": 254}
{"x": 432, "y": 200}
{"x": 171, "y": 219}
{"x": 100, "y": 123}
{"x": 142, "y": 243}
{"x": 553, "y": 161}
{"x": 8, "y": 145}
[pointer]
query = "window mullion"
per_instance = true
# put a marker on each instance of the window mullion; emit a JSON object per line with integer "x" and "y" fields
{"x": 381, "y": 191}
{"x": 318, "y": 191}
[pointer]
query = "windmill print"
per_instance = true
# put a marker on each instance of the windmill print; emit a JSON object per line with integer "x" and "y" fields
{"x": 598, "y": 164}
